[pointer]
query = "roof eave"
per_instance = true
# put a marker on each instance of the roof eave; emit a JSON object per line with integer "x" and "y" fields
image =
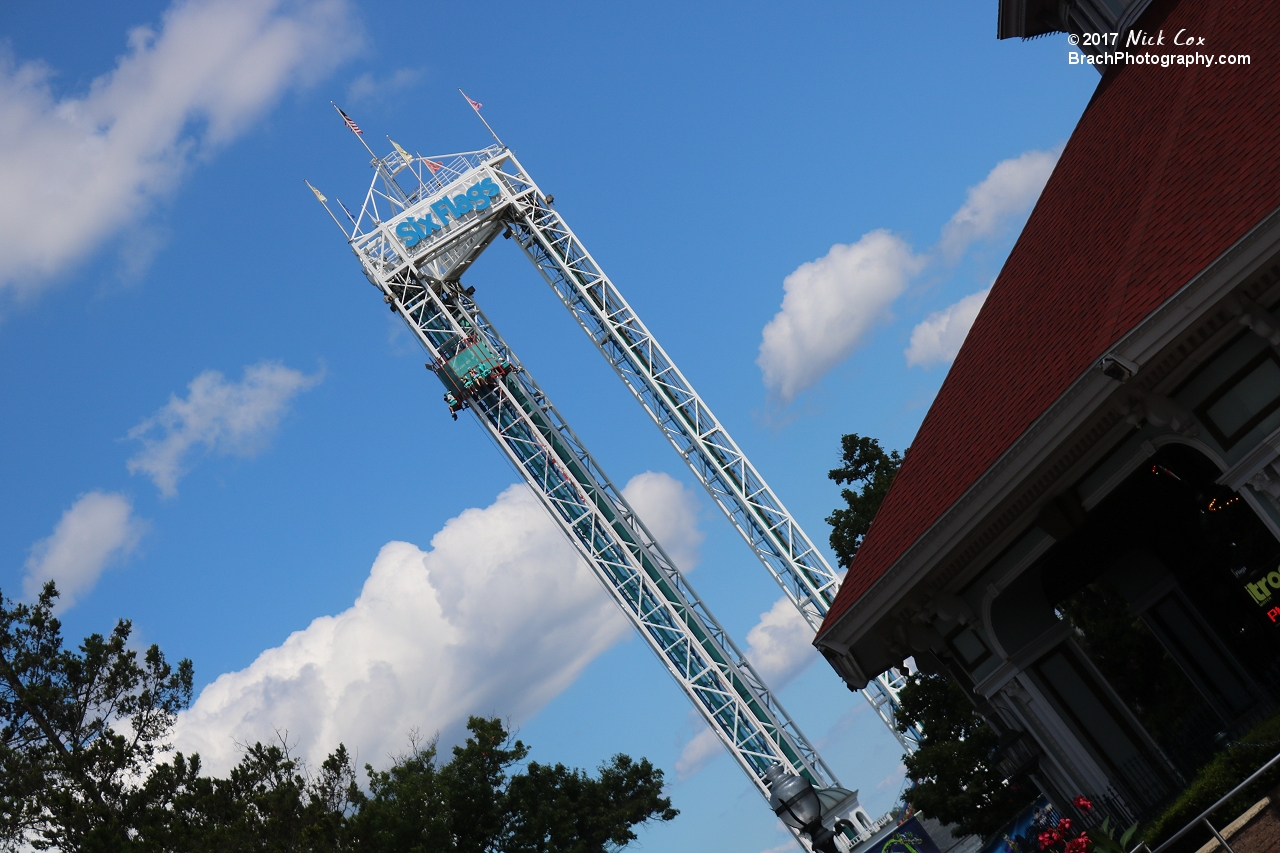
{"x": 985, "y": 505}
{"x": 1028, "y": 18}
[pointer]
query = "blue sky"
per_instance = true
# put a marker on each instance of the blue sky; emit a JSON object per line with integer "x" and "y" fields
{"x": 212, "y": 426}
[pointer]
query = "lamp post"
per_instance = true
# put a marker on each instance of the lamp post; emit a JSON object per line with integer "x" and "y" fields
{"x": 796, "y": 804}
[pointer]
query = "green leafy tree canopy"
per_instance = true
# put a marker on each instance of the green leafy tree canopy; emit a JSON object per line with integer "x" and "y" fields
{"x": 475, "y": 804}
{"x": 864, "y": 462}
{"x": 78, "y": 728}
{"x": 953, "y": 774}
{"x": 82, "y": 741}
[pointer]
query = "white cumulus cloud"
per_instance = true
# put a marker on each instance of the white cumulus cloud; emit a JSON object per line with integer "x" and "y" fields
{"x": 698, "y": 752}
{"x": 829, "y": 305}
{"x": 366, "y": 86}
{"x": 663, "y": 504}
{"x": 235, "y": 418}
{"x": 894, "y": 779}
{"x": 97, "y": 529}
{"x": 780, "y": 645}
{"x": 1008, "y": 191}
{"x": 497, "y": 617}
{"x": 75, "y": 169}
{"x": 937, "y": 338}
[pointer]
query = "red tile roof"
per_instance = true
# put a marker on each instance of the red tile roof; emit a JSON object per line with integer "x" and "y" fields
{"x": 1167, "y": 168}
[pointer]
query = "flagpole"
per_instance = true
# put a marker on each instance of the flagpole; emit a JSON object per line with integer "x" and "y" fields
{"x": 477, "y": 111}
{"x": 404, "y": 155}
{"x": 350, "y": 215}
{"x": 359, "y": 136}
{"x": 326, "y": 208}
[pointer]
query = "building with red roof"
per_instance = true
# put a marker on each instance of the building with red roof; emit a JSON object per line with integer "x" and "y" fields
{"x": 1106, "y": 445}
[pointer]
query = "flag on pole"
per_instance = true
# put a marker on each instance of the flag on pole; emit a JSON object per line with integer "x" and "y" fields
{"x": 408, "y": 158}
{"x": 433, "y": 165}
{"x": 347, "y": 212}
{"x": 355, "y": 128}
{"x": 476, "y": 105}
{"x": 320, "y": 198}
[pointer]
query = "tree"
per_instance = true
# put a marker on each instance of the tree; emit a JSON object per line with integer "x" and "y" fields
{"x": 953, "y": 774}
{"x": 270, "y": 801}
{"x": 82, "y": 736}
{"x": 405, "y": 809}
{"x": 78, "y": 729}
{"x": 865, "y": 462}
{"x": 472, "y": 805}
{"x": 558, "y": 809}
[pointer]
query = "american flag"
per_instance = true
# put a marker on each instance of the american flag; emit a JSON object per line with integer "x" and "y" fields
{"x": 355, "y": 128}
{"x": 433, "y": 165}
{"x": 475, "y": 105}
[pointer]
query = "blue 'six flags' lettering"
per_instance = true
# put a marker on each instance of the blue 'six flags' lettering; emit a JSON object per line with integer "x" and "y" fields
{"x": 415, "y": 229}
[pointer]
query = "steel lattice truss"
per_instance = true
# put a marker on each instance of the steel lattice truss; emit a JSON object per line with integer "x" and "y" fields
{"x": 691, "y": 427}
{"x": 418, "y": 270}
{"x": 605, "y": 529}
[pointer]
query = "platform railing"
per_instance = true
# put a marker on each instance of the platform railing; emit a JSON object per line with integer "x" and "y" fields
{"x": 1203, "y": 818}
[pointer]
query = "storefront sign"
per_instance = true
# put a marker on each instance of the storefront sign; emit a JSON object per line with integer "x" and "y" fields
{"x": 909, "y": 837}
{"x": 1020, "y": 834}
{"x": 1261, "y": 589}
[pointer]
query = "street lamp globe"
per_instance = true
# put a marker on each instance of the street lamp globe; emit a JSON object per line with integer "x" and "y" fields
{"x": 794, "y": 801}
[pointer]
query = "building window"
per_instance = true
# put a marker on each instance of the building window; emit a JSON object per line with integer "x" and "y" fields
{"x": 1245, "y": 400}
{"x": 969, "y": 646}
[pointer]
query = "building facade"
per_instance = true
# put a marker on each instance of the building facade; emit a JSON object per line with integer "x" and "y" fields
{"x": 1085, "y": 532}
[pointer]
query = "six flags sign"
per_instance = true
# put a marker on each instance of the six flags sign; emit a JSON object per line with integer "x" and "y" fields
{"x": 415, "y": 229}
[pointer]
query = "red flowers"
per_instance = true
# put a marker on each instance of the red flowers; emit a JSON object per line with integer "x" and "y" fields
{"x": 1050, "y": 838}
{"x": 1056, "y": 838}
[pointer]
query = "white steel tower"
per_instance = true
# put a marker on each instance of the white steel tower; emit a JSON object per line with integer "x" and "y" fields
{"x": 774, "y": 536}
{"x": 480, "y": 372}
{"x": 423, "y": 223}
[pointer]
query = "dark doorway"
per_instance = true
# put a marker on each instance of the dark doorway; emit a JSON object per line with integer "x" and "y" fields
{"x": 1165, "y": 585}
